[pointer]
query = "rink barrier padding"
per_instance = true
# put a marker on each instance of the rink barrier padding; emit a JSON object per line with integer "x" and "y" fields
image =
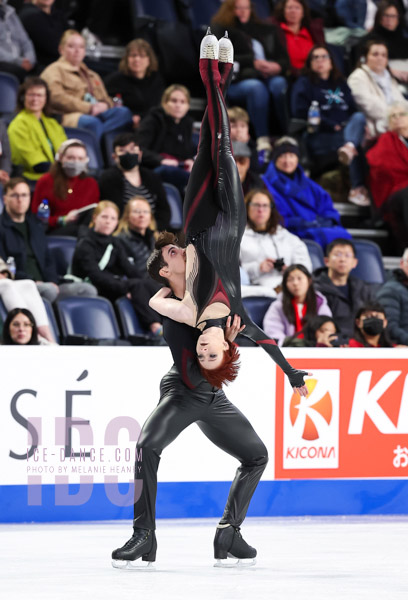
{"x": 207, "y": 499}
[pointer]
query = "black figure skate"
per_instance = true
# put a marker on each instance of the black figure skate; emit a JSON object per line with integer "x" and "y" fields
{"x": 143, "y": 545}
{"x": 229, "y": 543}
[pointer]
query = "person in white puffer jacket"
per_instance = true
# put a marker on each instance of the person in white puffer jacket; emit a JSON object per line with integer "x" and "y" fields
{"x": 265, "y": 241}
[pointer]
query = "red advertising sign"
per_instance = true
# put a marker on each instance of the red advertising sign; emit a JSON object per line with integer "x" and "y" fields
{"x": 353, "y": 423}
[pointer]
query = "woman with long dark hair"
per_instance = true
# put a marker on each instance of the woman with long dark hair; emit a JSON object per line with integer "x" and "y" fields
{"x": 298, "y": 30}
{"x": 373, "y": 87}
{"x": 296, "y": 304}
{"x": 20, "y": 328}
{"x": 341, "y": 127}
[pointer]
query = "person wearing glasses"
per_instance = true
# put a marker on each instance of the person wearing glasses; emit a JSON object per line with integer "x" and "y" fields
{"x": 20, "y": 329}
{"x": 341, "y": 127}
{"x": 34, "y": 136}
{"x": 267, "y": 248}
{"x": 344, "y": 292}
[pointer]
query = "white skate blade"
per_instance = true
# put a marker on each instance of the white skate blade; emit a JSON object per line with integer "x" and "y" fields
{"x": 235, "y": 563}
{"x": 133, "y": 565}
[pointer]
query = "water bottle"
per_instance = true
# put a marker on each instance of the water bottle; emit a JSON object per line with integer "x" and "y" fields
{"x": 313, "y": 117}
{"x": 11, "y": 264}
{"x": 43, "y": 212}
{"x": 117, "y": 100}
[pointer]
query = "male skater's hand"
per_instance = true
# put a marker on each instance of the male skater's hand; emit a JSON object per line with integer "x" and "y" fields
{"x": 232, "y": 330}
{"x": 297, "y": 381}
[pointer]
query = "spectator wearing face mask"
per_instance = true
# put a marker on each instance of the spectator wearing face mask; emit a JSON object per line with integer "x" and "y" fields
{"x": 128, "y": 179}
{"x": 68, "y": 189}
{"x": 370, "y": 328}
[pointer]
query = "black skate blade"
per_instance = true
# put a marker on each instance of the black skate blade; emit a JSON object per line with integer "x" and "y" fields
{"x": 235, "y": 563}
{"x": 133, "y": 565}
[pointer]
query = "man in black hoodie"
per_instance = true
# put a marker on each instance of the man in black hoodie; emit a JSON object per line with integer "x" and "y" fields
{"x": 345, "y": 293}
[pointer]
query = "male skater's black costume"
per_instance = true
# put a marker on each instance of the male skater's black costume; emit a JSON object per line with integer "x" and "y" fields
{"x": 214, "y": 223}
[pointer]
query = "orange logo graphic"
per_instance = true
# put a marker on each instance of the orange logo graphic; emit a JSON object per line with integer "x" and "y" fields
{"x": 311, "y": 410}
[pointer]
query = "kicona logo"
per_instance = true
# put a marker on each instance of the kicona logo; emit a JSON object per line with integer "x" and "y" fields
{"x": 311, "y": 423}
{"x": 314, "y": 412}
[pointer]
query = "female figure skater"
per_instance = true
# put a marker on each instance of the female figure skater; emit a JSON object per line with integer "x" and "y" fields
{"x": 214, "y": 223}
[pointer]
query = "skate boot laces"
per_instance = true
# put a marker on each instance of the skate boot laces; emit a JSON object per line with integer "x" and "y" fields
{"x": 226, "y": 49}
{"x": 209, "y": 46}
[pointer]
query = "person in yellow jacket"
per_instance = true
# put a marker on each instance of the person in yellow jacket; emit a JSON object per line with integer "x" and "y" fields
{"x": 34, "y": 137}
{"x": 78, "y": 94}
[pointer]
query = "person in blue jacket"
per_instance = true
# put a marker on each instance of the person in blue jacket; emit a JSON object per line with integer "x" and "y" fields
{"x": 341, "y": 127}
{"x": 307, "y": 209}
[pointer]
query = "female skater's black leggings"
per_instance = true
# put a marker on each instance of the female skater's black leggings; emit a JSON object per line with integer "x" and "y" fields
{"x": 221, "y": 422}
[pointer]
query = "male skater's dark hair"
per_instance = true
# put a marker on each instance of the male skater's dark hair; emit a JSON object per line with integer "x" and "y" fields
{"x": 156, "y": 262}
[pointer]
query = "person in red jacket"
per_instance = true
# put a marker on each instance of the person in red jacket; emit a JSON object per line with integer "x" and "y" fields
{"x": 68, "y": 189}
{"x": 388, "y": 178}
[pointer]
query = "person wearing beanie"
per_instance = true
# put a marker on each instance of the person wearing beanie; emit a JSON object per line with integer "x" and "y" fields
{"x": 307, "y": 209}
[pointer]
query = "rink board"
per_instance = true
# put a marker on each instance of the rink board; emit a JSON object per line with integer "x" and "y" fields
{"x": 71, "y": 416}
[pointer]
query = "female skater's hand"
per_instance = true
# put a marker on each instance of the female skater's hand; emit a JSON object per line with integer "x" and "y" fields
{"x": 231, "y": 331}
{"x": 297, "y": 381}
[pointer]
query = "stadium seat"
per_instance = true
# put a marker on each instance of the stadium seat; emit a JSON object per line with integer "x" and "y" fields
{"x": 129, "y": 322}
{"x": 159, "y": 9}
{"x": 256, "y": 307}
{"x": 370, "y": 266}
{"x": 83, "y": 319}
{"x": 203, "y": 12}
{"x": 176, "y": 206}
{"x": 316, "y": 253}
{"x": 62, "y": 249}
{"x": 8, "y": 97}
{"x": 96, "y": 162}
{"x": 52, "y": 320}
{"x": 3, "y": 311}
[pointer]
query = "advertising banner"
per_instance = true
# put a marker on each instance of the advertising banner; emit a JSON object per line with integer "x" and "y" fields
{"x": 353, "y": 423}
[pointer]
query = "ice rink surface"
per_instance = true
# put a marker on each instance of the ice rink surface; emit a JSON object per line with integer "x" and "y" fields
{"x": 328, "y": 558}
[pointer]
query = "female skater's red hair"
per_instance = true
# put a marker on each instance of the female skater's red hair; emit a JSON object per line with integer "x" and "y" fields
{"x": 228, "y": 370}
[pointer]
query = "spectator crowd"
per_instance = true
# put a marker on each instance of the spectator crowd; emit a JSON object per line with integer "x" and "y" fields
{"x": 100, "y": 152}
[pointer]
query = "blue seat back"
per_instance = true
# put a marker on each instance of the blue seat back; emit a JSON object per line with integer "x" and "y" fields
{"x": 96, "y": 162}
{"x": 128, "y": 319}
{"x": 203, "y": 11}
{"x": 3, "y": 311}
{"x": 93, "y": 317}
{"x": 315, "y": 252}
{"x": 176, "y": 206}
{"x": 370, "y": 266}
{"x": 262, "y": 8}
{"x": 62, "y": 249}
{"x": 160, "y": 9}
{"x": 8, "y": 96}
{"x": 52, "y": 320}
{"x": 256, "y": 307}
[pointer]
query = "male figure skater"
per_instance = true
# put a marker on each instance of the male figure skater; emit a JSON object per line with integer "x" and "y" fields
{"x": 187, "y": 397}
